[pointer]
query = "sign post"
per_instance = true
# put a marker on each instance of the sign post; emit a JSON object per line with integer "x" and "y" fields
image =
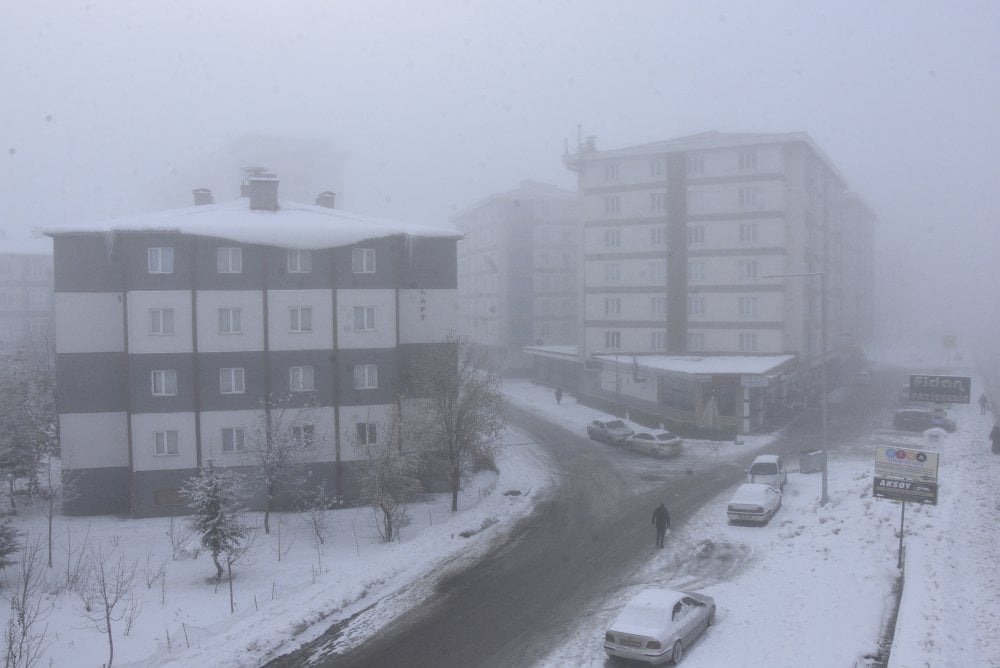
{"x": 902, "y": 474}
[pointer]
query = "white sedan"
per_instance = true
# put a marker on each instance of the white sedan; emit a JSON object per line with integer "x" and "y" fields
{"x": 755, "y": 502}
{"x": 658, "y": 444}
{"x": 657, "y": 625}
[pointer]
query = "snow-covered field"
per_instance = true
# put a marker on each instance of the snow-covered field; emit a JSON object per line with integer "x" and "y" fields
{"x": 811, "y": 588}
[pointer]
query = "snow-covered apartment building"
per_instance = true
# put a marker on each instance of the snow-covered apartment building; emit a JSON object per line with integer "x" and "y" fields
{"x": 687, "y": 245}
{"x": 25, "y": 291}
{"x": 177, "y": 331}
{"x": 517, "y": 267}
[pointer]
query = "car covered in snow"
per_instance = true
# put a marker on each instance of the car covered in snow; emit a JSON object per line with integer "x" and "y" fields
{"x": 914, "y": 419}
{"x": 658, "y": 625}
{"x": 614, "y": 432}
{"x": 769, "y": 469}
{"x": 755, "y": 502}
{"x": 657, "y": 443}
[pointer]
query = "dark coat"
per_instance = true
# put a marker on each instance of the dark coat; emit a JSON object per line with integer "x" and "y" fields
{"x": 661, "y": 517}
{"x": 995, "y": 435}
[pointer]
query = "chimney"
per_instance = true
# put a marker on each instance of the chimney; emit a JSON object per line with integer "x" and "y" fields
{"x": 326, "y": 198}
{"x": 262, "y": 189}
{"x": 202, "y": 196}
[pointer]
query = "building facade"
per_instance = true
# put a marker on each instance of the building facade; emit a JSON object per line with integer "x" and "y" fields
{"x": 179, "y": 334}
{"x": 26, "y": 290}
{"x": 517, "y": 267}
{"x": 719, "y": 244}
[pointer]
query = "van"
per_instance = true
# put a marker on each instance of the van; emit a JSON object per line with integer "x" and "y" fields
{"x": 769, "y": 469}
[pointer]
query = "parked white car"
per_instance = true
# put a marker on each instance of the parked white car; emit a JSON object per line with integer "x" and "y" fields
{"x": 755, "y": 502}
{"x": 658, "y": 625}
{"x": 769, "y": 469}
{"x": 657, "y": 443}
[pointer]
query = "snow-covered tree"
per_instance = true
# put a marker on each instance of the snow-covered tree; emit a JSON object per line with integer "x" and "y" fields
{"x": 25, "y": 636}
{"x": 108, "y": 587}
{"x": 460, "y": 416}
{"x": 387, "y": 478}
{"x": 9, "y": 543}
{"x": 280, "y": 442}
{"x": 214, "y": 498}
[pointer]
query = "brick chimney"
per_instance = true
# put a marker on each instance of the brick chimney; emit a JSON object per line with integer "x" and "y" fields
{"x": 202, "y": 196}
{"x": 262, "y": 189}
{"x": 326, "y": 199}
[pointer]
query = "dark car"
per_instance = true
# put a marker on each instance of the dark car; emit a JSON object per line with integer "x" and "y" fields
{"x": 912, "y": 419}
{"x": 614, "y": 432}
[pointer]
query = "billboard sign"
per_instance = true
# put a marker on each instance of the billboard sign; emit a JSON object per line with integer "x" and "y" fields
{"x": 943, "y": 389}
{"x": 903, "y": 474}
{"x": 905, "y": 490}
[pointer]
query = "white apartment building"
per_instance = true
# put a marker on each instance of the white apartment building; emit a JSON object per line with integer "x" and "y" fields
{"x": 517, "y": 267}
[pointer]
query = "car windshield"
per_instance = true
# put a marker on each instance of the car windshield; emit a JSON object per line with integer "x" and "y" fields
{"x": 666, "y": 436}
{"x": 764, "y": 468}
{"x": 616, "y": 424}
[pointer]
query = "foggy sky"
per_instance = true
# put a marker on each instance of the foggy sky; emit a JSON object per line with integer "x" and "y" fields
{"x": 106, "y": 106}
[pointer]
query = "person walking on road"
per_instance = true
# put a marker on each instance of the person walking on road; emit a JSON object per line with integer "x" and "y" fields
{"x": 984, "y": 403}
{"x": 661, "y": 518}
{"x": 995, "y": 438}
{"x": 558, "y": 395}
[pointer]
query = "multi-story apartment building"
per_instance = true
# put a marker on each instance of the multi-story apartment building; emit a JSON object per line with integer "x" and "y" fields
{"x": 517, "y": 268}
{"x": 25, "y": 291}
{"x": 722, "y": 244}
{"x": 177, "y": 333}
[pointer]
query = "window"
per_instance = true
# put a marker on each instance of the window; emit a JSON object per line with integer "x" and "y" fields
{"x": 161, "y": 260}
{"x": 231, "y": 381}
{"x": 696, "y": 234}
{"x": 612, "y": 204}
{"x": 612, "y": 272}
{"x": 233, "y": 439}
{"x": 696, "y": 341}
{"x": 748, "y": 233}
{"x": 657, "y": 236}
{"x": 164, "y": 383}
{"x": 748, "y": 343}
{"x": 657, "y": 201}
{"x": 612, "y": 171}
{"x": 748, "y": 307}
{"x": 364, "y": 318}
{"x": 300, "y": 379}
{"x": 230, "y": 321}
{"x": 363, "y": 260}
{"x": 658, "y": 305}
{"x": 229, "y": 260}
{"x": 612, "y": 305}
{"x": 695, "y": 164}
{"x": 658, "y": 341}
{"x": 696, "y": 305}
{"x": 612, "y": 238}
{"x": 300, "y": 318}
{"x": 165, "y": 443}
{"x": 367, "y": 433}
{"x": 657, "y": 167}
{"x": 299, "y": 261}
{"x": 365, "y": 376}
{"x": 696, "y": 271}
{"x": 304, "y": 435}
{"x": 5, "y": 299}
{"x": 748, "y": 270}
{"x": 612, "y": 340}
{"x": 658, "y": 272}
{"x": 748, "y": 197}
{"x": 748, "y": 160}
{"x": 168, "y": 497}
{"x": 161, "y": 321}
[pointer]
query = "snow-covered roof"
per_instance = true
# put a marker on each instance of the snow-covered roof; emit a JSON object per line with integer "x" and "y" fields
{"x": 26, "y": 246}
{"x": 293, "y": 225}
{"x": 750, "y": 365}
{"x": 562, "y": 352}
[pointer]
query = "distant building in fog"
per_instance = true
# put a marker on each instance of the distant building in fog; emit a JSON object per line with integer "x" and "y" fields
{"x": 517, "y": 269}
{"x": 682, "y": 241}
{"x": 26, "y": 286}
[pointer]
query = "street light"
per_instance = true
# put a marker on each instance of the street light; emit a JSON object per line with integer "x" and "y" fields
{"x": 822, "y": 362}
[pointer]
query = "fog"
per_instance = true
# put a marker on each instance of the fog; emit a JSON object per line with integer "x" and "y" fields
{"x": 419, "y": 109}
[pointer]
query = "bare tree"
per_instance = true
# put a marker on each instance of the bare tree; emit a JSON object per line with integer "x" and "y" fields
{"x": 55, "y": 491}
{"x": 387, "y": 478}
{"x": 110, "y": 584}
{"x": 25, "y": 637}
{"x": 461, "y": 410}
{"x": 278, "y": 445}
{"x": 217, "y": 516}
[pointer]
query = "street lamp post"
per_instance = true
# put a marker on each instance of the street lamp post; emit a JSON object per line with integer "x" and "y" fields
{"x": 822, "y": 362}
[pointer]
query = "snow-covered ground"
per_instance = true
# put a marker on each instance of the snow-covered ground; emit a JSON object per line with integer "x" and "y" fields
{"x": 811, "y": 588}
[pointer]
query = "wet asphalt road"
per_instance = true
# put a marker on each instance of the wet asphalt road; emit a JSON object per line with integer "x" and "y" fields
{"x": 582, "y": 543}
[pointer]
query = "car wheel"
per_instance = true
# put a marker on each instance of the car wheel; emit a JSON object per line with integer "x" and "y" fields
{"x": 711, "y": 617}
{"x": 678, "y": 653}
